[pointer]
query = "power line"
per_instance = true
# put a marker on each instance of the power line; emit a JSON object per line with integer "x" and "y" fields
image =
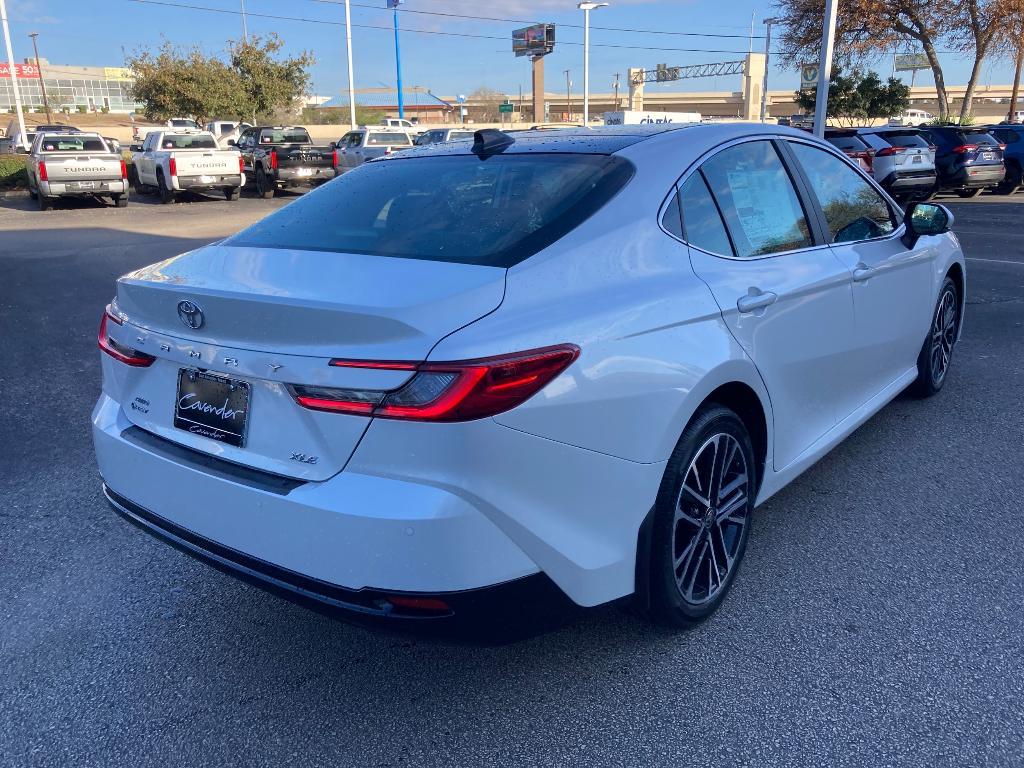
{"x": 526, "y": 21}
{"x": 276, "y": 17}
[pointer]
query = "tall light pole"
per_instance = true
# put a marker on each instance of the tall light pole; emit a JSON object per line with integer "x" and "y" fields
{"x": 828, "y": 40}
{"x": 14, "y": 73}
{"x": 767, "y": 55}
{"x": 568, "y": 97}
{"x": 245, "y": 28}
{"x": 351, "y": 78}
{"x": 39, "y": 70}
{"x": 587, "y": 7}
{"x": 393, "y": 4}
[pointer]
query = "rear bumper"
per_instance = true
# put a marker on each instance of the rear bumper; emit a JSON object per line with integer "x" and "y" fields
{"x": 209, "y": 182}
{"x": 500, "y": 613}
{"x": 974, "y": 176}
{"x": 291, "y": 177}
{"x": 73, "y": 189}
{"x": 907, "y": 181}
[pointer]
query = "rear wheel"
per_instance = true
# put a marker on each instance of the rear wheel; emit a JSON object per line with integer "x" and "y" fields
{"x": 137, "y": 185}
{"x": 264, "y": 187}
{"x": 45, "y": 203}
{"x": 1014, "y": 178}
{"x": 969, "y": 192}
{"x": 121, "y": 201}
{"x": 166, "y": 193}
{"x": 937, "y": 351}
{"x": 232, "y": 193}
{"x": 702, "y": 518}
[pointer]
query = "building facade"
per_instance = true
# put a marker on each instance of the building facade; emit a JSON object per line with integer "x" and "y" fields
{"x": 77, "y": 89}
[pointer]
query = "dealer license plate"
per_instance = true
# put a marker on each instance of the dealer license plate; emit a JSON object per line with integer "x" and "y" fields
{"x": 304, "y": 172}
{"x": 212, "y": 406}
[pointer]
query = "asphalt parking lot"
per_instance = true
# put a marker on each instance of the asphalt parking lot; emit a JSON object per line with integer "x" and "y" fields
{"x": 877, "y": 621}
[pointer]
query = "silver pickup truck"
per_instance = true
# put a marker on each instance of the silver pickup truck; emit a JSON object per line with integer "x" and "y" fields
{"x": 75, "y": 165}
{"x": 362, "y": 144}
{"x": 174, "y": 160}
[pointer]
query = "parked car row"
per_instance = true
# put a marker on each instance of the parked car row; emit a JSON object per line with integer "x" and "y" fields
{"x": 917, "y": 163}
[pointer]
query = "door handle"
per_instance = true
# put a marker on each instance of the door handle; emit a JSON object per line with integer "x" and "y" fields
{"x": 862, "y": 272}
{"x": 755, "y": 301}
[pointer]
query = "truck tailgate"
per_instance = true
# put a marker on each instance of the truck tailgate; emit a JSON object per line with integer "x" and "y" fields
{"x": 206, "y": 162}
{"x": 64, "y": 168}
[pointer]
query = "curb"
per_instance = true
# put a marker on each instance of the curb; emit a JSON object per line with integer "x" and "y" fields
{"x": 15, "y": 193}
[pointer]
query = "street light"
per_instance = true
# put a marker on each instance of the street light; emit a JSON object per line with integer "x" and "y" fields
{"x": 39, "y": 71}
{"x": 393, "y": 4}
{"x": 767, "y": 55}
{"x": 828, "y": 40}
{"x": 587, "y": 7}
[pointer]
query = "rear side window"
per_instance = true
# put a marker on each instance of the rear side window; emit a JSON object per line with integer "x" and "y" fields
{"x": 459, "y": 135}
{"x": 72, "y": 144}
{"x": 853, "y": 208}
{"x": 905, "y": 139}
{"x": 847, "y": 143}
{"x": 702, "y": 222}
{"x": 979, "y": 137}
{"x": 458, "y": 208}
{"x": 757, "y": 199}
{"x": 671, "y": 219}
{"x": 388, "y": 140}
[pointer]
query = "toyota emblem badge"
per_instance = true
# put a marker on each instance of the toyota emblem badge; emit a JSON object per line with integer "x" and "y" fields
{"x": 190, "y": 314}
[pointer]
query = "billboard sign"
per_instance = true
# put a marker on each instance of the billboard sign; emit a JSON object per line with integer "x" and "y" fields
{"x": 538, "y": 40}
{"x": 20, "y": 70}
{"x": 808, "y": 77}
{"x": 908, "y": 62}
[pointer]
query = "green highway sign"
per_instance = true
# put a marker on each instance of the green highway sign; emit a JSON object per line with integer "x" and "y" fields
{"x": 506, "y": 107}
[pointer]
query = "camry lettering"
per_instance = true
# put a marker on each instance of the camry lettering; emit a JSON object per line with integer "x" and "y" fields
{"x": 190, "y": 403}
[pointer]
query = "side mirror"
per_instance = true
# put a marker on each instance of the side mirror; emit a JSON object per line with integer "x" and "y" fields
{"x": 232, "y": 143}
{"x": 926, "y": 219}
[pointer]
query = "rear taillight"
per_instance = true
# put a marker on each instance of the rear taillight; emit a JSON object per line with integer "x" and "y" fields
{"x": 124, "y": 170}
{"x": 889, "y": 151}
{"x": 273, "y": 159}
{"x": 116, "y": 349}
{"x": 1002, "y": 146}
{"x": 172, "y": 166}
{"x": 387, "y": 150}
{"x": 458, "y": 391}
{"x": 933, "y": 148}
{"x": 241, "y": 164}
{"x": 963, "y": 149}
{"x": 334, "y": 158}
{"x": 42, "y": 171}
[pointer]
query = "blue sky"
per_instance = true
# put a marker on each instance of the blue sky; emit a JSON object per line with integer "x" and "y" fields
{"x": 92, "y": 32}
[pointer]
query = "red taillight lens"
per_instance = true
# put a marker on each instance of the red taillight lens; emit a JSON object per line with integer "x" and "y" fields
{"x": 334, "y": 158}
{"x": 427, "y": 604}
{"x": 241, "y": 164}
{"x": 458, "y": 391}
{"x": 172, "y": 166}
{"x": 42, "y": 171}
{"x": 117, "y": 350}
{"x": 963, "y": 149}
{"x": 273, "y": 159}
{"x": 889, "y": 151}
{"x": 1002, "y": 146}
{"x": 124, "y": 170}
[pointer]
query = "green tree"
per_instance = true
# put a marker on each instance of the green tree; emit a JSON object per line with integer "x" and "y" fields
{"x": 859, "y": 99}
{"x": 271, "y": 84}
{"x": 179, "y": 82}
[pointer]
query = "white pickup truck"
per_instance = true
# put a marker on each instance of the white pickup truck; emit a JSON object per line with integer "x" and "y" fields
{"x": 173, "y": 161}
{"x": 75, "y": 165}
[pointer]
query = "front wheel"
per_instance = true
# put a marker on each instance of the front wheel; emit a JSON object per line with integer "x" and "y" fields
{"x": 702, "y": 518}
{"x": 1013, "y": 180}
{"x": 937, "y": 351}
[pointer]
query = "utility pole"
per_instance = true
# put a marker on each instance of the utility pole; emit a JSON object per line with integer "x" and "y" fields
{"x": 828, "y": 41}
{"x": 1016, "y": 80}
{"x": 39, "y": 69}
{"x": 586, "y": 6}
{"x": 351, "y": 80}
{"x": 14, "y": 73}
{"x": 767, "y": 54}
{"x": 568, "y": 97}
{"x": 615, "y": 85}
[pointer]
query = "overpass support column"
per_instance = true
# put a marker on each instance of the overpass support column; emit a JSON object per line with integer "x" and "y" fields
{"x": 636, "y": 92}
{"x": 753, "y": 80}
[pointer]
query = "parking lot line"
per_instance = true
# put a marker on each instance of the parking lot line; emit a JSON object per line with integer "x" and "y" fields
{"x": 996, "y": 261}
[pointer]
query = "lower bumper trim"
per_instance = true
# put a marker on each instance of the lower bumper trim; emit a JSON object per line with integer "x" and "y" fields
{"x": 502, "y": 613}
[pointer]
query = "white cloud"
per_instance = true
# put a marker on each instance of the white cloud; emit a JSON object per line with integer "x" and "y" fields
{"x": 29, "y": 12}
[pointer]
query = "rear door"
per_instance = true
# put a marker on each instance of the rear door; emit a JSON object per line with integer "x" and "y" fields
{"x": 783, "y": 293}
{"x": 892, "y": 284}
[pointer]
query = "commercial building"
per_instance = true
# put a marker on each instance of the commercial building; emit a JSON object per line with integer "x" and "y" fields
{"x": 78, "y": 89}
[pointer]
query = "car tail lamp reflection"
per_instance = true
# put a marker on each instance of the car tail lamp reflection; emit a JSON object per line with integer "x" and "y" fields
{"x": 116, "y": 349}
{"x": 42, "y": 171}
{"x": 456, "y": 391}
{"x": 241, "y": 164}
{"x": 890, "y": 151}
{"x": 334, "y": 158}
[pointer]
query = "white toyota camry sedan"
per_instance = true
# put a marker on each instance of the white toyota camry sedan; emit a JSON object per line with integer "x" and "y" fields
{"x": 477, "y": 384}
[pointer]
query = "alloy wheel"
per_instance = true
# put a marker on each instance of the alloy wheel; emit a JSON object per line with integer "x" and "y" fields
{"x": 943, "y": 335}
{"x": 711, "y": 514}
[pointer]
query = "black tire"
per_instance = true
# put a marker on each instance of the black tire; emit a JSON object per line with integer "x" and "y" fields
{"x": 45, "y": 203}
{"x": 166, "y": 194}
{"x": 232, "y": 193}
{"x": 1013, "y": 180}
{"x": 264, "y": 188}
{"x": 942, "y": 333}
{"x": 689, "y": 535}
{"x": 121, "y": 201}
{"x": 969, "y": 192}
{"x": 32, "y": 192}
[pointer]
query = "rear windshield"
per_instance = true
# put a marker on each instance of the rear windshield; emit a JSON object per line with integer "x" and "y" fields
{"x": 457, "y": 208}
{"x": 187, "y": 141}
{"x": 456, "y": 135}
{"x": 979, "y": 137}
{"x": 285, "y": 136}
{"x": 905, "y": 139}
{"x": 846, "y": 142}
{"x": 73, "y": 144}
{"x": 388, "y": 140}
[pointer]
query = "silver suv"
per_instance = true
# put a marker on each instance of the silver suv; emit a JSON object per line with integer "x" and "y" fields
{"x": 903, "y": 161}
